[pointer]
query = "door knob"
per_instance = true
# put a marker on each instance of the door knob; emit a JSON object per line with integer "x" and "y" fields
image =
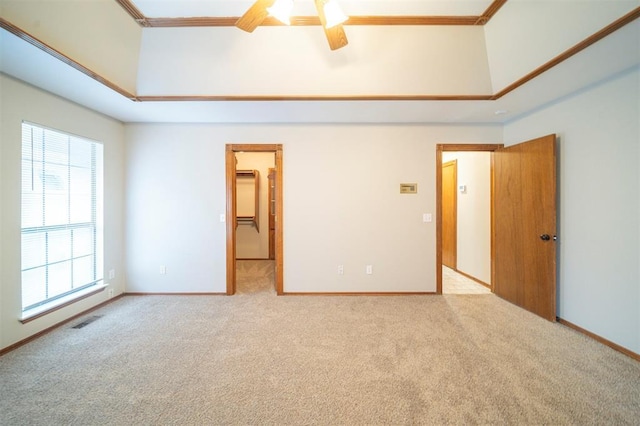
{"x": 545, "y": 237}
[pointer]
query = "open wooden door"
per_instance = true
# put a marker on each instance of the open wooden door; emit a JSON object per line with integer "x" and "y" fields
{"x": 449, "y": 214}
{"x": 525, "y": 225}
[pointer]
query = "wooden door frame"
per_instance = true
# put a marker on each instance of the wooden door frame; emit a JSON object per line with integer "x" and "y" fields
{"x": 440, "y": 148}
{"x": 230, "y": 165}
{"x": 271, "y": 176}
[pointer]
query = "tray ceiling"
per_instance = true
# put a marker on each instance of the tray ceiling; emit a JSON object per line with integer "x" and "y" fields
{"x": 571, "y": 54}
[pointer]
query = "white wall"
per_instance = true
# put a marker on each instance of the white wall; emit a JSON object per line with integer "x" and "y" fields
{"x": 251, "y": 244}
{"x": 341, "y": 204}
{"x": 474, "y": 213}
{"x": 21, "y": 102}
{"x": 599, "y": 204}
{"x": 344, "y": 179}
{"x": 525, "y": 34}
{"x": 446, "y": 60}
{"x": 99, "y": 34}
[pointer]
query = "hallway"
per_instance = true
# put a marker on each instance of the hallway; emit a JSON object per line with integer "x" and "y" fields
{"x": 455, "y": 283}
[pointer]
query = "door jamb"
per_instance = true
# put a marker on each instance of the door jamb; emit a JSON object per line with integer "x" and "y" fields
{"x": 457, "y": 147}
{"x": 230, "y": 166}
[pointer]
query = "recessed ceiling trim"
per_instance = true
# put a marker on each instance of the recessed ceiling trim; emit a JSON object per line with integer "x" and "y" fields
{"x": 609, "y": 29}
{"x": 301, "y": 21}
{"x": 133, "y": 11}
{"x": 229, "y": 21}
{"x": 491, "y": 10}
{"x": 252, "y": 98}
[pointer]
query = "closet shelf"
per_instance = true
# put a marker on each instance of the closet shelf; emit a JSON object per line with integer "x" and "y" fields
{"x": 249, "y": 220}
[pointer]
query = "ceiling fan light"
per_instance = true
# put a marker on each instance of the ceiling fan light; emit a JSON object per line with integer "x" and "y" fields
{"x": 333, "y": 14}
{"x": 281, "y": 10}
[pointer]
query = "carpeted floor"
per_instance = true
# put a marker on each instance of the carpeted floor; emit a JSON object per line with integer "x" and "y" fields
{"x": 256, "y": 358}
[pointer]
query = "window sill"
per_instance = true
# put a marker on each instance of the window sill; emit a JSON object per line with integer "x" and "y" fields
{"x": 47, "y": 308}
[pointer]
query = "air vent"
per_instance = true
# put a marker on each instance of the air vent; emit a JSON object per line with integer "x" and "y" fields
{"x": 87, "y": 321}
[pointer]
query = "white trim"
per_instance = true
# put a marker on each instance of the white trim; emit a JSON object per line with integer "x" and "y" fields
{"x": 50, "y": 306}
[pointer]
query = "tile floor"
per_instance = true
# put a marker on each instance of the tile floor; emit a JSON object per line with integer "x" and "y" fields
{"x": 455, "y": 283}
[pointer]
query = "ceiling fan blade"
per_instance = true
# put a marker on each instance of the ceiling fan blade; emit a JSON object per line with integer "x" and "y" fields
{"x": 254, "y": 15}
{"x": 336, "y": 36}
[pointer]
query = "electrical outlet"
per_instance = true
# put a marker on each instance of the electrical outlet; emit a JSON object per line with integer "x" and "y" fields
{"x": 163, "y": 269}
{"x": 110, "y": 293}
{"x": 369, "y": 269}
{"x": 340, "y": 269}
{"x": 112, "y": 274}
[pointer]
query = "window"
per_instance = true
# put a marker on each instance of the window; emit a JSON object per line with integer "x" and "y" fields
{"x": 61, "y": 215}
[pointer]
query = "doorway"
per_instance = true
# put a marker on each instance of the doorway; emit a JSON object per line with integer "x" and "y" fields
{"x": 232, "y": 218}
{"x": 466, "y": 222}
{"x": 447, "y": 188}
{"x": 523, "y": 222}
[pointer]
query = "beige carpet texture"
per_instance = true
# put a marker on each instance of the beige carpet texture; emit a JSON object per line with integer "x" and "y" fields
{"x": 259, "y": 359}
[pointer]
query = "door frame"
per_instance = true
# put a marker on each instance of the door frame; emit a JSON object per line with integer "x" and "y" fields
{"x": 230, "y": 166}
{"x": 271, "y": 176}
{"x": 440, "y": 148}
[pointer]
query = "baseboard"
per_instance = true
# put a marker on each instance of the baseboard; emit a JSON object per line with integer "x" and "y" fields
{"x": 172, "y": 294}
{"x": 410, "y": 293}
{"x": 53, "y": 327}
{"x": 600, "y": 339}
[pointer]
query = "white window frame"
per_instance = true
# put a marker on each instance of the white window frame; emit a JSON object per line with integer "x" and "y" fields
{"x": 69, "y": 287}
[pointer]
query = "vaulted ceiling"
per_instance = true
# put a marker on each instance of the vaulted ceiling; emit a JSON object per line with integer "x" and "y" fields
{"x": 468, "y": 61}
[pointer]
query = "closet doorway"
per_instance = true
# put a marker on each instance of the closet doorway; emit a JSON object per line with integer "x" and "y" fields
{"x": 250, "y": 218}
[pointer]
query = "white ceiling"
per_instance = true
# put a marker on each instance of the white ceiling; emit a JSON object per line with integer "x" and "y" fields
{"x": 614, "y": 54}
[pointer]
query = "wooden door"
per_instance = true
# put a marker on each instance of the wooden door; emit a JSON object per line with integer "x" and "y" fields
{"x": 525, "y": 225}
{"x": 449, "y": 214}
{"x": 272, "y": 213}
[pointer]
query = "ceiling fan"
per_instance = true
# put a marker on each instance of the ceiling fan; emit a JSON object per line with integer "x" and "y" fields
{"x": 331, "y": 18}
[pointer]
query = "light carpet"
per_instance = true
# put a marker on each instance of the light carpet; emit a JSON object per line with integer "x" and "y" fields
{"x": 255, "y": 359}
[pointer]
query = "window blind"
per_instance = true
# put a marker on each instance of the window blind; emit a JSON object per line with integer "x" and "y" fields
{"x": 61, "y": 214}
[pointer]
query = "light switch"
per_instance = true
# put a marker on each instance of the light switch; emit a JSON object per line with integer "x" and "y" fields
{"x": 222, "y": 217}
{"x": 426, "y": 217}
